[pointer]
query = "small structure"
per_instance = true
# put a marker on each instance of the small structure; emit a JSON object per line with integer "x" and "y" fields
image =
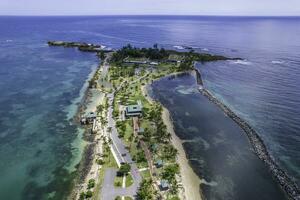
{"x": 154, "y": 147}
{"x": 133, "y": 110}
{"x": 95, "y": 127}
{"x": 154, "y": 63}
{"x": 88, "y": 118}
{"x": 135, "y": 62}
{"x": 140, "y": 130}
{"x": 159, "y": 163}
{"x": 173, "y": 61}
{"x": 164, "y": 185}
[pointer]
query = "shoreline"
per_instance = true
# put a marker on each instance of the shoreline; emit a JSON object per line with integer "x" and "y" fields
{"x": 86, "y": 165}
{"x": 187, "y": 176}
{"x": 190, "y": 181}
{"x": 282, "y": 178}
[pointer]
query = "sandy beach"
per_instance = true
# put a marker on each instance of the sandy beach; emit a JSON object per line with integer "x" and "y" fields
{"x": 189, "y": 179}
{"x": 88, "y": 168}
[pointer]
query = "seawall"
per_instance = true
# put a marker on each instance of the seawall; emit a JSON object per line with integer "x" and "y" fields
{"x": 286, "y": 183}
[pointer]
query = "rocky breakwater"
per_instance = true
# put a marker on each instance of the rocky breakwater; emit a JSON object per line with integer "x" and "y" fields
{"x": 81, "y": 46}
{"x": 286, "y": 183}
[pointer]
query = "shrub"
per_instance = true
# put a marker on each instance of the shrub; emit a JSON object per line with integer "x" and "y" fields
{"x": 88, "y": 194}
{"x": 99, "y": 161}
{"x": 124, "y": 169}
{"x": 118, "y": 198}
{"x": 91, "y": 183}
{"x": 82, "y": 196}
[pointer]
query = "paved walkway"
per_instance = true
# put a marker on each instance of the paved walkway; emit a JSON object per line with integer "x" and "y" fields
{"x": 110, "y": 192}
{"x": 121, "y": 154}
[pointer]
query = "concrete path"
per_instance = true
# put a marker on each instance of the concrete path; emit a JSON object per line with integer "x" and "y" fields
{"x": 110, "y": 192}
{"x": 121, "y": 154}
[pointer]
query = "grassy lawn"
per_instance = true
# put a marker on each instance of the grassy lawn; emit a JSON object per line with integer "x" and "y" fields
{"x": 129, "y": 180}
{"x": 129, "y": 95}
{"x": 128, "y": 198}
{"x": 118, "y": 181}
{"x": 173, "y": 198}
{"x": 129, "y": 130}
{"x": 109, "y": 162}
{"x": 146, "y": 174}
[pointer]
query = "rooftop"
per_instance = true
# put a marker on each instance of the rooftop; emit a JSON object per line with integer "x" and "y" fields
{"x": 91, "y": 115}
{"x": 164, "y": 183}
{"x": 133, "y": 108}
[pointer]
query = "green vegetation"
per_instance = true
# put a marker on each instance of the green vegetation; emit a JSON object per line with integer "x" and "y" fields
{"x": 146, "y": 174}
{"x": 118, "y": 198}
{"x": 85, "y": 195}
{"x": 195, "y": 56}
{"x": 107, "y": 161}
{"x": 118, "y": 181}
{"x": 174, "y": 198}
{"x": 129, "y": 180}
{"x": 146, "y": 190}
{"x": 133, "y": 68}
{"x": 128, "y": 51}
{"x": 101, "y": 55}
{"x": 128, "y": 198}
{"x": 93, "y": 83}
{"x": 91, "y": 183}
{"x": 124, "y": 169}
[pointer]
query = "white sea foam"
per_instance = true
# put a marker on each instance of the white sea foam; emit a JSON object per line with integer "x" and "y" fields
{"x": 211, "y": 183}
{"x": 241, "y": 62}
{"x": 185, "y": 90}
{"x": 9, "y": 40}
{"x": 195, "y": 47}
{"x": 178, "y": 47}
{"x": 277, "y": 62}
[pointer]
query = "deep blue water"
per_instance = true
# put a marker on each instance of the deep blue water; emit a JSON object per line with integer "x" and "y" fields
{"x": 38, "y": 84}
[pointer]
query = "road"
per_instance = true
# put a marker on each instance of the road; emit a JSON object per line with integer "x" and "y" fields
{"x": 109, "y": 192}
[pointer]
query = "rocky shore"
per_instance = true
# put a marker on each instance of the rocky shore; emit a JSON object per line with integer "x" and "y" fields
{"x": 286, "y": 183}
{"x": 85, "y": 165}
{"x": 81, "y": 46}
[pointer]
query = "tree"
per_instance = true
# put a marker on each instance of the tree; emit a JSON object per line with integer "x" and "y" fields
{"x": 102, "y": 55}
{"x": 169, "y": 152}
{"x": 91, "y": 183}
{"x": 147, "y": 135}
{"x": 124, "y": 169}
{"x": 82, "y": 196}
{"x": 88, "y": 194}
{"x": 169, "y": 172}
{"x": 146, "y": 190}
{"x": 99, "y": 109}
{"x": 140, "y": 157}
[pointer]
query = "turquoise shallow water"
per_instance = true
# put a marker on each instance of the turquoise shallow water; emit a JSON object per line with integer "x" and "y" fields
{"x": 38, "y": 85}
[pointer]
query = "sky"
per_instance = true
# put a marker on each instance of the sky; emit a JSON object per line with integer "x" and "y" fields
{"x": 151, "y": 7}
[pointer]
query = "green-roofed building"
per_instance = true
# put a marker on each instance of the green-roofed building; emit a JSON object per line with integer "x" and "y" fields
{"x": 133, "y": 110}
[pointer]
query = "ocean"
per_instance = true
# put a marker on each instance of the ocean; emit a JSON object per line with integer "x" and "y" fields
{"x": 40, "y": 89}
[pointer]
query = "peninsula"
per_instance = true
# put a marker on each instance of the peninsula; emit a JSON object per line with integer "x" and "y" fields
{"x": 132, "y": 151}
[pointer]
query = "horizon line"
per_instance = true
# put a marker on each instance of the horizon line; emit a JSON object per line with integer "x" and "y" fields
{"x": 162, "y": 15}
